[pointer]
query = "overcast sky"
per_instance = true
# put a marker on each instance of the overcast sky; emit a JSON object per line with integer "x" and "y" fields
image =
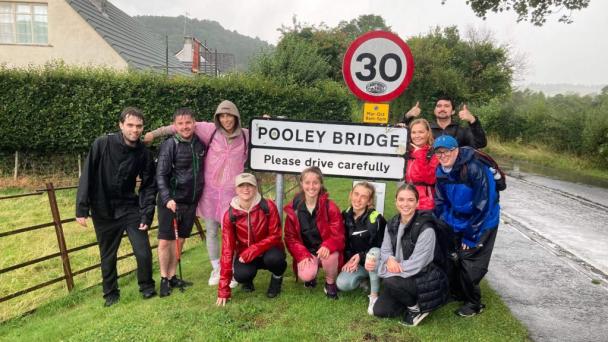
{"x": 554, "y": 53}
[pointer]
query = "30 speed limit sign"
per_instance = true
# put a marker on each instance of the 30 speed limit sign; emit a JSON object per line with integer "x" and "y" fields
{"x": 378, "y": 66}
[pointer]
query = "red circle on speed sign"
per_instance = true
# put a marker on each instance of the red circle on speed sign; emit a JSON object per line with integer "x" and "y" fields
{"x": 378, "y": 66}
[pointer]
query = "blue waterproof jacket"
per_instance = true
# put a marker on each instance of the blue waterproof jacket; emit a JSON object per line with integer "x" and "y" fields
{"x": 468, "y": 204}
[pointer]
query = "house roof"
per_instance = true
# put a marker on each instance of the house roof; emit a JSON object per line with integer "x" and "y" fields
{"x": 139, "y": 48}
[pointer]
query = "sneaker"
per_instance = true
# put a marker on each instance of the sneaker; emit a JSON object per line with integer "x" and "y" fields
{"x": 331, "y": 291}
{"x": 233, "y": 283}
{"x": 214, "y": 278}
{"x": 165, "y": 287}
{"x": 111, "y": 299}
{"x": 310, "y": 284}
{"x": 149, "y": 293}
{"x": 247, "y": 287}
{"x": 275, "y": 286}
{"x": 470, "y": 310}
{"x": 413, "y": 318}
{"x": 370, "y": 306}
{"x": 179, "y": 283}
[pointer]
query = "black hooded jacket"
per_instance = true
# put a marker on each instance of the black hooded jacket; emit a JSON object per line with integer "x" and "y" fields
{"x": 106, "y": 189}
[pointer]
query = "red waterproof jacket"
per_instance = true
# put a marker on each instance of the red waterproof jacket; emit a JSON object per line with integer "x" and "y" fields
{"x": 252, "y": 234}
{"x": 421, "y": 172}
{"x": 329, "y": 223}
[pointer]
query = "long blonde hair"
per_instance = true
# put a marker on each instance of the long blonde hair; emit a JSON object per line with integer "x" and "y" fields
{"x": 427, "y": 126}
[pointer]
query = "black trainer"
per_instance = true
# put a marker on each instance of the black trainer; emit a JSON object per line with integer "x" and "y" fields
{"x": 470, "y": 310}
{"x": 310, "y": 284}
{"x": 180, "y": 283}
{"x": 275, "y": 286}
{"x": 149, "y": 293}
{"x": 248, "y": 287}
{"x": 413, "y": 318}
{"x": 111, "y": 299}
{"x": 331, "y": 291}
{"x": 165, "y": 287}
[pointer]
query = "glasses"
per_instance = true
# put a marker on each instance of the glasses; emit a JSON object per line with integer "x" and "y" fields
{"x": 443, "y": 153}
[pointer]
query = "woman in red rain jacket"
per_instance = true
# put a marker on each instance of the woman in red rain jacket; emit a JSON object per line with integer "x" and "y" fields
{"x": 314, "y": 232}
{"x": 421, "y": 163}
{"x": 251, "y": 240}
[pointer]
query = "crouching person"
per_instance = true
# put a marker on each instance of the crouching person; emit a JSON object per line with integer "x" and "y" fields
{"x": 251, "y": 240}
{"x": 414, "y": 284}
{"x": 179, "y": 175}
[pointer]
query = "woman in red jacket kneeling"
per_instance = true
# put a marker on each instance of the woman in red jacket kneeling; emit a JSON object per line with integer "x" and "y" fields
{"x": 314, "y": 232}
{"x": 251, "y": 236}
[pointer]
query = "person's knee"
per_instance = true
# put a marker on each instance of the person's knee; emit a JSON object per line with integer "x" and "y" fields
{"x": 275, "y": 259}
{"x": 307, "y": 274}
{"x": 345, "y": 282}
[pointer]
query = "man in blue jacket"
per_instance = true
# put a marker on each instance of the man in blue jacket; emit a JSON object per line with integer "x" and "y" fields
{"x": 467, "y": 201}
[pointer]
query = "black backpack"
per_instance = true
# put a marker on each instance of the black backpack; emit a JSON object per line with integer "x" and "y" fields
{"x": 446, "y": 240}
{"x": 263, "y": 205}
{"x": 499, "y": 176}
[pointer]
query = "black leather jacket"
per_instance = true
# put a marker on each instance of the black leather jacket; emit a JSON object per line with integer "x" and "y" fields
{"x": 179, "y": 172}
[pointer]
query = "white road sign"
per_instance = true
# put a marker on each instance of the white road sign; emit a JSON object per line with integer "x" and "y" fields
{"x": 331, "y": 137}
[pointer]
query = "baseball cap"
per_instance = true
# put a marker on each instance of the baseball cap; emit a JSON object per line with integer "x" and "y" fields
{"x": 445, "y": 141}
{"x": 245, "y": 178}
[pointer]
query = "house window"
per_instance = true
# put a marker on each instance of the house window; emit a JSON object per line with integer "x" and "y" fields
{"x": 23, "y": 23}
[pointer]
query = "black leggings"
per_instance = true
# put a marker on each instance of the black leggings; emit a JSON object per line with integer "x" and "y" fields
{"x": 397, "y": 294}
{"x": 273, "y": 260}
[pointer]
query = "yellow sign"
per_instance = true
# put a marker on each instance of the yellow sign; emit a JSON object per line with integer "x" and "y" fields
{"x": 375, "y": 112}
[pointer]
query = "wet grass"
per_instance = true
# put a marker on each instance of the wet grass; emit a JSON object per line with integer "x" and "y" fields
{"x": 298, "y": 313}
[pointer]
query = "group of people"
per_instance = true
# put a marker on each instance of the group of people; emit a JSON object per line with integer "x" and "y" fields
{"x": 438, "y": 245}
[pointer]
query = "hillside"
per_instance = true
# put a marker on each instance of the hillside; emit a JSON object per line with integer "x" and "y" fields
{"x": 243, "y": 47}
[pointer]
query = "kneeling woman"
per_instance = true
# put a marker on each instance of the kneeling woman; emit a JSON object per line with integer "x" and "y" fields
{"x": 314, "y": 232}
{"x": 414, "y": 284}
{"x": 364, "y": 228}
{"x": 251, "y": 240}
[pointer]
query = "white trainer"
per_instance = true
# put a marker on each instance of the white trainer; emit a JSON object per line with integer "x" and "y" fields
{"x": 214, "y": 278}
{"x": 370, "y": 306}
{"x": 233, "y": 283}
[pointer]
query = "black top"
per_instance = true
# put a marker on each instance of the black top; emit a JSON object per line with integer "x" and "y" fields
{"x": 473, "y": 135}
{"x": 362, "y": 233}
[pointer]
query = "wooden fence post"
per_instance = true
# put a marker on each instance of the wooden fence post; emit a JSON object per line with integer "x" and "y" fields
{"x": 16, "y": 172}
{"x": 65, "y": 259}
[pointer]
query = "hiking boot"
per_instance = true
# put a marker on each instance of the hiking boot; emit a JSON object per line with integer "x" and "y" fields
{"x": 331, "y": 291}
{"x": 111, "y": 299}
{"x": 165, "y": 287}
{"x": 149, "y": 293}
{"x": 214, "y": 278}
{"x": 470, "y": 310}
{"x": 413, "y": 318}
{"x": 275, "y": 286}
{"x": 370, "y": 306}
{"x": 248, "y": 287}
{"x": 310, "y": 284}
{"x": 180, "y": 283}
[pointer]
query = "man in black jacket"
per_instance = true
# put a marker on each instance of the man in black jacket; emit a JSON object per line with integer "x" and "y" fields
{"x": 107, "y": 192}
{"x": 472, "y": 136}
{"x": 179, "y": 175}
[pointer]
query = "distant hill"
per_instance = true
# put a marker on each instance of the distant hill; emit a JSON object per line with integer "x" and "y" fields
{"x": 552, "y": 89}
{"x": 217, "y": 37}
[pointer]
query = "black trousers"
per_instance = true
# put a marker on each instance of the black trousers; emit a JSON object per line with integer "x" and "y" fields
{"x": 109, "y": 234}
{"x": 273, "y": 260}
{"x": 471, "y": 267}
{"x": 397, "y": 294}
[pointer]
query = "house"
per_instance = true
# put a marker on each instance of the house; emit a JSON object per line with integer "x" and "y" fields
{"x": 197, "y": 57}
{"x": 80, "y": 33}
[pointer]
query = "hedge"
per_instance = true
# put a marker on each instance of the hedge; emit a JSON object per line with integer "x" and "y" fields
{"x": 62, "y": 110}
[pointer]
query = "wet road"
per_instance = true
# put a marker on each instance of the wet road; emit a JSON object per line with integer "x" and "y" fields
{"x": 550, "y": 262}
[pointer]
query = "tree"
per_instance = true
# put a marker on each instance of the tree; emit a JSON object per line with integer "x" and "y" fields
{"x": 536, "y": 11}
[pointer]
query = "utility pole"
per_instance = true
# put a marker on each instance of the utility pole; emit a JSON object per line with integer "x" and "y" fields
{"x": 186, "y": 14}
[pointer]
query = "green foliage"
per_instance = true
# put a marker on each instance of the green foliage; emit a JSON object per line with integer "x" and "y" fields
{"x": 217, "y": 37}
{"x": 567, "y": 123}
{"x": 536, "y": 11}
{"x": 473, "y": 70}
{"x": 57, "y": 109}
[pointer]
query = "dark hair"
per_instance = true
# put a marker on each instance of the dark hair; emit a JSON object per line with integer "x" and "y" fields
{"x": 131, "y": 111}
{"x": 408, "y": 186}
{"x": 316, "y": 171}
{"x": 184, "y": 112}
{"x": 446, "y": 98}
